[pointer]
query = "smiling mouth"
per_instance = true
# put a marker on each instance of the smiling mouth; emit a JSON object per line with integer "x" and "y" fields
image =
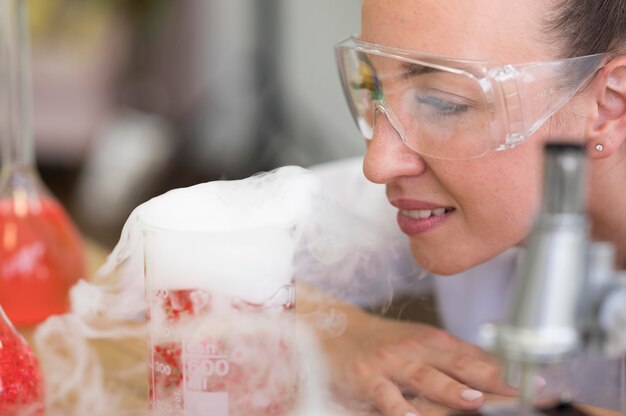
{"x": 426, "y": 213}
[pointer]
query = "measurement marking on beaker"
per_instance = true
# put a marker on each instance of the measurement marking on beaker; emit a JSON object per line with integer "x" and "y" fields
{"x": 161, "y": 293}
{"x": 163, "y": 369}
{"x": 202, "y": 384}
{"x": 208, "y": 367}
{"x": 199, "y": 354}
{"x": 203, "y": 348}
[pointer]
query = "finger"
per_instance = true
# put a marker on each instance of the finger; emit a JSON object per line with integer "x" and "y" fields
{"x": 388, "y": 399}
{"x": 443, "y": 341}
{"x": 429, "y": 382}
{"x": 426, "y": 407}
{"x": 474, "y": 372}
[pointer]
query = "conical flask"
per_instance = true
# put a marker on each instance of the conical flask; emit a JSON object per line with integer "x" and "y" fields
{"x": 41, "y": 254}
{"x": 21, "y": 385}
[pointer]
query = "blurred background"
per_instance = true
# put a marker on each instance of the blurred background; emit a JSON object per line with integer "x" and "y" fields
{"x": 136, "y": 97}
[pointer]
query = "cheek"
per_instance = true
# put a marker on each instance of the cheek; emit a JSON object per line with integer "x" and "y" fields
{"x": 502, "y": 209}
{"x": 497, "y": 202}
{"x": 495, "y": 208}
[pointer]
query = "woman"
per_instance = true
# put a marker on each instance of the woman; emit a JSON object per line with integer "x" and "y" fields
{"x": 465, "y": 172}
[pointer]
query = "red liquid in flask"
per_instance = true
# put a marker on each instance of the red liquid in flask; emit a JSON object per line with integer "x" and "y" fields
{"x": 40, "y": 251}
{"x": 21, "y": 385}
{"x": 41, "y": 257}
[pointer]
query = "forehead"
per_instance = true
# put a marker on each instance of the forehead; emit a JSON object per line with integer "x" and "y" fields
{"x": 492, "y": 30}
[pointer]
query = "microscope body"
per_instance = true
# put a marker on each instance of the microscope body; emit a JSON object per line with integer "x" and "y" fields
{"x": 562, "y": 280}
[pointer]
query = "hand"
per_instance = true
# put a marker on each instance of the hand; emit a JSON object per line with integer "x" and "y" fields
{"x": 403, "y": 369}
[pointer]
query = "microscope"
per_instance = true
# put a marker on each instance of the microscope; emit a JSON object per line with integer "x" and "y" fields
{"x": 563, "y": 280}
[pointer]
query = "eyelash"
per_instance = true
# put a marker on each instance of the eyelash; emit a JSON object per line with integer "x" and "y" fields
{"x": 444, "y": 107}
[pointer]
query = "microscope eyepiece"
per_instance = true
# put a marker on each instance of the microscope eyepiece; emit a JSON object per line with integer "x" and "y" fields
{"x": 564, "y": 182}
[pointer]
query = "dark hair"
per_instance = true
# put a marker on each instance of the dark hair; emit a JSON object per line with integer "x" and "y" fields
{"x": 585, "y": 27}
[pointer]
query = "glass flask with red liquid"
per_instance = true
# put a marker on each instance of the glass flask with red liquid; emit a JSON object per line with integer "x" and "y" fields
{"x": 41, "y": 253}
{"x": 21, "y": 385}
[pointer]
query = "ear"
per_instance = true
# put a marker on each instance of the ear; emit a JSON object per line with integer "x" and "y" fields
{"x": 608, "y": 127}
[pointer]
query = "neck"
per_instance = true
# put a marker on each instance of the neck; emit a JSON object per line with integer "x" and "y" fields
{"x": 15, "y": 136}
{"x": 607, "y": 202}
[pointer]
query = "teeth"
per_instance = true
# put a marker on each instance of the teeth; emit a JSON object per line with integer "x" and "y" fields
{"x": 424, "y": 213}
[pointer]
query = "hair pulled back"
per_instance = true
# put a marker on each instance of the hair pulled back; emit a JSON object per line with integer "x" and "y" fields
{"x": 586, "y": 27}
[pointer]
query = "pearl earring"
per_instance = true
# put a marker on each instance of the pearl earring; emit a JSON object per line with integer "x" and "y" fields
{"x": 599, "y": 147}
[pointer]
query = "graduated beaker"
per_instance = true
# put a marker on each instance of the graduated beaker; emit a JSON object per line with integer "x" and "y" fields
{"x": 222, "y": 321}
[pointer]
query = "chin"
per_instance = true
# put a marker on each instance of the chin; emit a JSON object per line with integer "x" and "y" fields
{"x": 444, "y": 267}
{"x": 450, "y": 262}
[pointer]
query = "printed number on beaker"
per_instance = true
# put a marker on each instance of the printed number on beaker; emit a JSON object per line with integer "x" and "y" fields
{"x": 161, "y": 293}
{"x": 209, "y": 367}
{"x": 163, "y": 368}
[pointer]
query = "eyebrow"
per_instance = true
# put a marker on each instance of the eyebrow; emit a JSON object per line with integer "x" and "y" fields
{"x": 413, "y": 70}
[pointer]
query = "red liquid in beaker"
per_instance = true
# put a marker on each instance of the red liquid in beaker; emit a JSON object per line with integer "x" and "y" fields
{"x": 41, "y": 257}
{"x": 237, "y": 359}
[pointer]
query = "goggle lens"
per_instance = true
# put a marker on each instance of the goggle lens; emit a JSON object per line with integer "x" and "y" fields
{"x": 436, "y": 112}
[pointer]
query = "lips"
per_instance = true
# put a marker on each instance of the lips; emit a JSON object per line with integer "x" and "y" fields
{"x": 417, "y": 217}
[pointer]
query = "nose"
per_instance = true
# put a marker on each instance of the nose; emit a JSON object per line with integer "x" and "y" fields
{"x": 387, "y": 157}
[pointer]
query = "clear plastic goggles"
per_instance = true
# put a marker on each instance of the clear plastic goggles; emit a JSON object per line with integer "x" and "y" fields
{"x": 455, "y": 109}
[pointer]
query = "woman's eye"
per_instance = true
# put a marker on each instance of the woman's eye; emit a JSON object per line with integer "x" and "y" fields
{"x": 367, "y": 80}
{"x": 442, "y": 106}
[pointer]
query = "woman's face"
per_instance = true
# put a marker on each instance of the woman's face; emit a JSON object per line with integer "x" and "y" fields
{"x": 490, "y": 201}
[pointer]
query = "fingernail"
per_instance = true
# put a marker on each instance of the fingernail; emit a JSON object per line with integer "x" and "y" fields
{"x": 410, "y": 414}
{"x": 471, "y": 395}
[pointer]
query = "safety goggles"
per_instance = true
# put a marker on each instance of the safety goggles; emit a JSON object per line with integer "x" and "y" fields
{"x": 455, "y": 109}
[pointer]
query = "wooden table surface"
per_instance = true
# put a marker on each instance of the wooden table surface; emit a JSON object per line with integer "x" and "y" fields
{"x": 117, "y": 354}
